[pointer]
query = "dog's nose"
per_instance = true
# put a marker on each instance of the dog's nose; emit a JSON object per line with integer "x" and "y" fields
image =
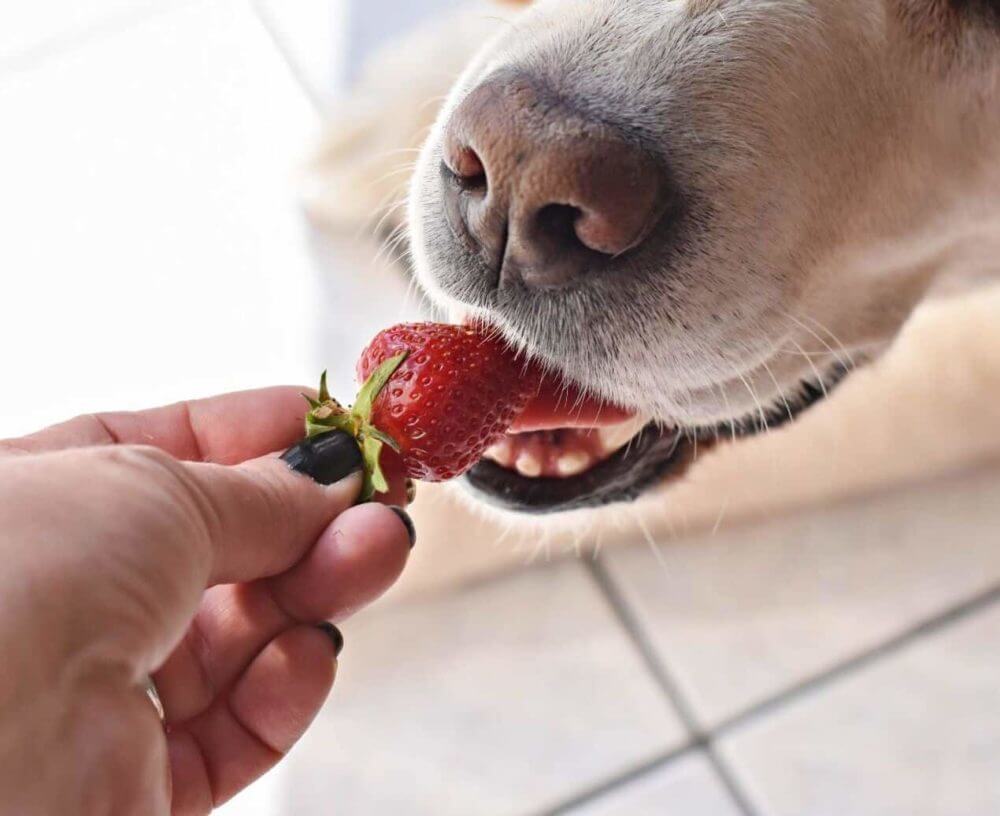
{"x": 547, "y": 194}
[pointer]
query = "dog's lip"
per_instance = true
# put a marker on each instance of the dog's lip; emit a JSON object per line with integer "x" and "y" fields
{"x": 656, "y": 455}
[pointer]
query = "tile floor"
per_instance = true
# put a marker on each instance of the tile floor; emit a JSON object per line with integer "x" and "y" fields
{"x": 840, "y": 662}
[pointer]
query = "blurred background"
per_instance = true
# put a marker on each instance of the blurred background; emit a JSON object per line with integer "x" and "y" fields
{"x": 809, "y": 626}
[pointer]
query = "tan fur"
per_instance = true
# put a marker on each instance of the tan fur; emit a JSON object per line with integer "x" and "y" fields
{"x": 923, "y": 409}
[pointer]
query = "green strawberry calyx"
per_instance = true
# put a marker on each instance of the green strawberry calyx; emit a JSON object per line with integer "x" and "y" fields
{"x": 326, "y": 414}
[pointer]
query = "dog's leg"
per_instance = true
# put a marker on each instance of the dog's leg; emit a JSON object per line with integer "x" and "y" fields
{"x": 360, "y": 172}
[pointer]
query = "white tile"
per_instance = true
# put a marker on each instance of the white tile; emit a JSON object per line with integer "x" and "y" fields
{"x": 741, "y": 615}
{"x": 686, "y": 787}
{"x": 498, "y": 699}
{"x": 916, "y": 734}
{"x": 153, "y": 248}
{"x": 29, "y": 27}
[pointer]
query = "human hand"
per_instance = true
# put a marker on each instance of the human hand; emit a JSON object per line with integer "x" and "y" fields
{"x": 126, "y": 554}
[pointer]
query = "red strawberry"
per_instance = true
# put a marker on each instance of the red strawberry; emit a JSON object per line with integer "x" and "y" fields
{"x": 438, "y": 394}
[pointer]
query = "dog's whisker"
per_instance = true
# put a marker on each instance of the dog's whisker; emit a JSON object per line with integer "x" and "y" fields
{"x": 399, "y": 151}
{"x": 397, "y": 239}
{"x": 389, "y": 212}
{"x": 648, "y": 536}
{"x": 397, "y": 257}
{"x": 397, "y": 171}
{"x": 505, "y": 533}
{"x": 820, "y": 379}
{"x": 546, "y": 541}
{"x": 424, "y": 304}
{"x": 390, "y": 256}
{"x": 753, "y": 395}
{"x": 385, "y": 208}
{"x": 722, "y": 514}
{"x": 430, "y": 101}
{"x": 834, "y": 337}
{"x": 578, "y": 538}
{"x": 847, "y": 363}
{"x": 503, "y": 20}
{"x": 398, "y": 254}
{"x": 729, "y": 411}
{"x": 392, "y": 200}
{"x": 421, "y": 133}
{"x": 780, "y": 391}
{"x": 374, "y": 183}
{"x": 598, "y": 545}
{"x": 400, "y": 230}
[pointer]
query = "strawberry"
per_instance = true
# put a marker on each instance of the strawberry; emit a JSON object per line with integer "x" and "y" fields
{"x": 439, "y": 395}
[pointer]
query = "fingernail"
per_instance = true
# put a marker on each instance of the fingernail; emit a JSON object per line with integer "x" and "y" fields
{"x": 405, "y": 518}
{"x": 327, "y": 458}
{"x": 335, "y": 635}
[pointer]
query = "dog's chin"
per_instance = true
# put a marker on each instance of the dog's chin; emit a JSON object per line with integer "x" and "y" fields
{"x": 564, "y": 469}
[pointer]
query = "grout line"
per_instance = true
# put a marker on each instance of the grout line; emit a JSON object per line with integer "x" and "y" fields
{"x": 706, "y": 739}
{"x": 72, "y": 40}
{"x": 953, "y": 615}
{"x": 700, "y": 737}
{"x": 727, "y": 778}
{"x": 286, "y": 52}
{"x": 622, "y": 611}
{"x": 633, "y": 774}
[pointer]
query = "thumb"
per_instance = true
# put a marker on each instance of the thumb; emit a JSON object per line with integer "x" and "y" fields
{"x": 259, "y": 518}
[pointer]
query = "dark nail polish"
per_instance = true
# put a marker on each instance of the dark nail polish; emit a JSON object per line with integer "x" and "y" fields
{"x": 405, "y": 518}
{"x": 327, "y": 458}
{"x": 335, "y": 635}
{"x": 411, "y": 491}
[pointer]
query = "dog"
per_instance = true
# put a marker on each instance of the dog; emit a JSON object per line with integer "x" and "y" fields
{"x": 710, "y": 212}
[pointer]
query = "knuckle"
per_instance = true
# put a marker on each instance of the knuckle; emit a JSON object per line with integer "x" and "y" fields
{"x": 278, "y": 502}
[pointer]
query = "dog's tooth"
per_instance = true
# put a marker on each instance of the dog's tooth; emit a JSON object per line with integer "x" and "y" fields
{"x": 529, "y": 465}
{"x": 500, "y": 453}
{"x": 617, "y": 436}
{"x": 572, "y": 464}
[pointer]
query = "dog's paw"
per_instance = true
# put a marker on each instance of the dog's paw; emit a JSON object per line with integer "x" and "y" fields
{"x": 359, "y": 173}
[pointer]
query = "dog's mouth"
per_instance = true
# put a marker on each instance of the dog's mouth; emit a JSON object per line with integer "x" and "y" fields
{"x": 566, "y": 453}
{"x": 589, "y": 454}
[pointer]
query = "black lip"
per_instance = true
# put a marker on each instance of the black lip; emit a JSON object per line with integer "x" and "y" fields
{"x": 654, "y": 454}
{"x": 809, "y": 394}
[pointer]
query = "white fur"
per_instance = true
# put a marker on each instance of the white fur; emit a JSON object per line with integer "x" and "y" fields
{"x": 889, "y": 165}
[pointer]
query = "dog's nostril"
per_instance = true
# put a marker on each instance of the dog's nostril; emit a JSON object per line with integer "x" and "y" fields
{"x": 467, "y": 169}
{"x": 557, "y": 225}
{"x": 469, "y": 166}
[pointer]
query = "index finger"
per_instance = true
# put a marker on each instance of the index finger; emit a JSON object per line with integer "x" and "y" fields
{"x": 227, "y": 429}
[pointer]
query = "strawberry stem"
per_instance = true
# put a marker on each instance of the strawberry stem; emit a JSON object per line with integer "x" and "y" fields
{"x": 373, "y": 387}
{"x": 324, "y": 392}
{"x": 326, "y": 414}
